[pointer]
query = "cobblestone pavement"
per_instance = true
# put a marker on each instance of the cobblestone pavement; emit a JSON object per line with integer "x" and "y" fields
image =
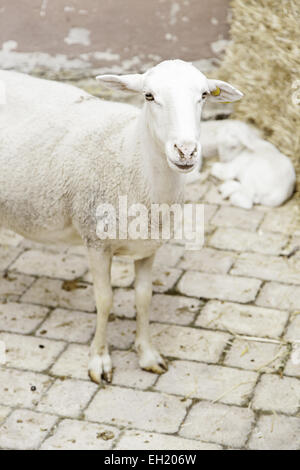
{"x": 226, "y": 317}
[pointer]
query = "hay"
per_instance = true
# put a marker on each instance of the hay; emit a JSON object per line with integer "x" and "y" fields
{"x": 263, "y": 60}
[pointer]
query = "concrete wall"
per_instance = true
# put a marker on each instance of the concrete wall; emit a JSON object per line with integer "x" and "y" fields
{"x": 79, "y": 36}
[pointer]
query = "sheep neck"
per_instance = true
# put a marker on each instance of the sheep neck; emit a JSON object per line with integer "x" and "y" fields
{"x": 165, "y": 185}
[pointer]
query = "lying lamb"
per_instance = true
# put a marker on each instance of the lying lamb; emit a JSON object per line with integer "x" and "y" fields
{"x": 63, "y": 153}
{"x": 254, "y": 170}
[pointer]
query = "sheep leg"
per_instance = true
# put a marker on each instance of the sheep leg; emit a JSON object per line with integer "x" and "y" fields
{"x": 229, "y": 187}
{"x": 226, "y": 171}
{"x": 241, "y": 199}
{"x": 149, "y": 357}
{"x": 100, "y": 365}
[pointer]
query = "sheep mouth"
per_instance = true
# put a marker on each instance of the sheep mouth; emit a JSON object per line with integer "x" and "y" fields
{"x": 184, "y": 167}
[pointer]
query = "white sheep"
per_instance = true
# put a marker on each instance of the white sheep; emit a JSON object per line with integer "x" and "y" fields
{"x": 254, "y": 170}
{"x": 63, "y": 153}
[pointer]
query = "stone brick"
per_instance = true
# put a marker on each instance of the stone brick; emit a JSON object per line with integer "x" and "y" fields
{"x": 168, "y": 255}
{"x": 49, "y": 264}
{"x": 236, "y": 239}
{"x": 164, "y": 278}
{"x": 217, "y": 286}
{"x": 189, "y": 343}
{"x": 4, "y": 412}
{"x": 79, "y": 435}
{"x": 236, "y": 217}
{"x": 268, "y": 268}
{"x": 293, "y": 364}
{"x": 138, "y": 440}
{"x": 25, "y": 430}
{"x": 293, "y": 331}
{"x": 13, "y": 285}
{"x": 282, "y": 219}
{"x": 243, "y": 319}
{"x": 28, "y": 352}
{"x": 149, "y": 411}
{"x": 68, "y": 325}
{"x": 276, "y": 432}
{"x": 67, "y": 397}
{"x": 174, "y": 309}
{"x": 7, "y": 237}
{"x": 277, "y": 394}
{"x": 21, "y": 388}
{"x": 207, "y": 260}
{"x": 207, "y": 382}
{"x": 7, "y": 255}
{"x": 66, "y": 294}
{"x": 280, "y": 296}
{"x": 254, "y": 355}
{"x": 21, "y": 318}
{"x": 227, "y": 425}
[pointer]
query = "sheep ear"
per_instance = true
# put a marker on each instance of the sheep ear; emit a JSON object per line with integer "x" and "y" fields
{"x": 132, "y": 82}
{"x": 223, "y": 92}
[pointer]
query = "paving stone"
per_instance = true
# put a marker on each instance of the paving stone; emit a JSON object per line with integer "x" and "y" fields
{"x": 4, "y": 412}
{"x": 174, "y": 309}
{"x": 275, "y": 432}
{"x": 236, "y": 217}
{"x": 207, "y": 382}
{"x": 194, "y": 192}
{"x": 68, "y": 325}
{"x": 73, "y": 362}
{"x": 164, "y": 308}
{"x": 274, "y": 393}
{"x": 227, "y": 425}
{"x": 243, "y": 319}
{"x": 240, "y": 240}
{"x": 293, "y": 364}
{"x": 149, "y": 411}
{"x": 7, "y": 237}
{"x": 139, "y": 440}
{"x": 217, "y": 286}
{"x": 268, "y": 268}
{"x": 7, "y": 255}
{"x": 209, "y": 212}
{"x": 168, "y": 255}
{"x": 279, "y": 296}
{"x": 28, "y": 352}
{"x": 66, "y": 294}
{"x": 49, "y": 264}
{"x": 21, "y": 388}
{"x": 25, "y": 430}
{"x": 79, "y": 435}
{"x": 13, "y": 285}
{"x": 165, "y": 278}
{"x": 189, "y": 343}
{"x": 293, "y": 331}
{"x": 21, "y": 318}
{"x": 254, "y": 355}
{"x": 282, "y": 219}
{"x": 67, "y": 397}
{"x": 207, "y": 260}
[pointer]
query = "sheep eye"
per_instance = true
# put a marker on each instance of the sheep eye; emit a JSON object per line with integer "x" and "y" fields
{"x": 204, "y": 94}
{"x": 149, "y": 97}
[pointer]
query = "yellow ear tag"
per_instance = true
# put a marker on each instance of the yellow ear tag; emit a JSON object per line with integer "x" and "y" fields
{"x": 216, "y": 92}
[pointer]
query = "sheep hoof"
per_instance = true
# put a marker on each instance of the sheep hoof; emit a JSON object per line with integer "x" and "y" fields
{"x": 152, "y": 361}
{"x": 100, "y": 368}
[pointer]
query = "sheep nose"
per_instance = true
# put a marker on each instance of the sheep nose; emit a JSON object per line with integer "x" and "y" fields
{"x": 186, "y": 149}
